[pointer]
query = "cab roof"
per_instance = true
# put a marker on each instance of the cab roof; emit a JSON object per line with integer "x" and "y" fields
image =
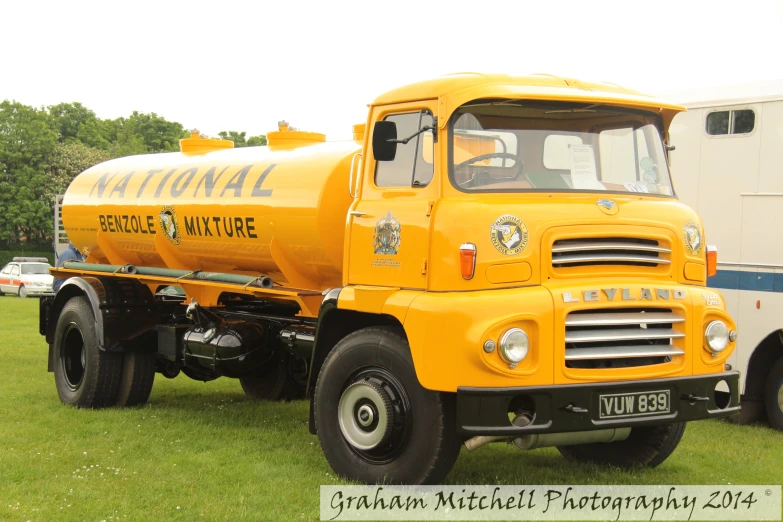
{"x": 456, "y": 89}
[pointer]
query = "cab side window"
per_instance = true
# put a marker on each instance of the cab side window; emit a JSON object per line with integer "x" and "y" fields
{"x": 412, "y": 166}
{"x": 15, "y": 270}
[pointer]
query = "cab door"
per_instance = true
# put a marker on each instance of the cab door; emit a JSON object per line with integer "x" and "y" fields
{"x": 390, "y": 220}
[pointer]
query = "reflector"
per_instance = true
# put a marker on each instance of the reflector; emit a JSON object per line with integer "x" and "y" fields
{"x": 467, "y": 260}
{"x": 712, "y": 260}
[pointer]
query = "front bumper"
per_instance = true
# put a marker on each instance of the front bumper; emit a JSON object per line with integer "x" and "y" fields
{"x": 575, "y": 407}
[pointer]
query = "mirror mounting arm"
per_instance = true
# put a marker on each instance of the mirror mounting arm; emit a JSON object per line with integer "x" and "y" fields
{"x": 433, "y": 128}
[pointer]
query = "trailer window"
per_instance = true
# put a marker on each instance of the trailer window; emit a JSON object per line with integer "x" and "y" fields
{"x": 412, "y": 166}
{"x": 731, "y": 122}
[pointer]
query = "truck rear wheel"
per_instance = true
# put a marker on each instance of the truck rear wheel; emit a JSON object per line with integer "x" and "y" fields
{"x": 136, "y": 378}
{"x": 774, "y": 395}
{"x": 375, "y": 422}
{"x": 646, "y": 446}
{"x": 85, "y": 376}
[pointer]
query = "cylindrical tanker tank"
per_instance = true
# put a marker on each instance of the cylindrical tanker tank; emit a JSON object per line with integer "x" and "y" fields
{"x": 278, "y": 211}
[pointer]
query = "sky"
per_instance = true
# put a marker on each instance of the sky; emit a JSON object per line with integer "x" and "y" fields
{"x": 235, "y": 65}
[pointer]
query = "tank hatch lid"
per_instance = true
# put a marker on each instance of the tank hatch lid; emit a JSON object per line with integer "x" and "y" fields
{"x": 287, "y": 137}
{"x": 358, "y": 132}
{"x": 200, "y": 144}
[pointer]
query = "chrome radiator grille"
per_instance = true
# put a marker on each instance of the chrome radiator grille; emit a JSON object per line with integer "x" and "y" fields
{"x": 608, "y": 251}
{"x": 621, "y": 338}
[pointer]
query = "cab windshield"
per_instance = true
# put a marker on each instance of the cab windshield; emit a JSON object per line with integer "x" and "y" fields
{"x": 35, "y": 269}
{"x": 513, "y": 146}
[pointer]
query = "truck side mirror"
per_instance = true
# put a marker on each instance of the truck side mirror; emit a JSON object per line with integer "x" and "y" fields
{"x": 384, "y": 136}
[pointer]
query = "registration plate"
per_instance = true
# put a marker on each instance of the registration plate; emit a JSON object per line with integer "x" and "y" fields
{"x": 634, "y": 404}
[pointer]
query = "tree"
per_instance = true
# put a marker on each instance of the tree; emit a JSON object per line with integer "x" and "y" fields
{"x": 66, "y": 162}
{"x": 75, "y": 122}
{"x": 255, "y": 141}
{"x": 142, "y": 133}
{"x": 239, "y": 139}
{"x": 26, "y": 142}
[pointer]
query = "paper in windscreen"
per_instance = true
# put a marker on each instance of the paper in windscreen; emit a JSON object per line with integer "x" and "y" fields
{"x": 583, "y": 172}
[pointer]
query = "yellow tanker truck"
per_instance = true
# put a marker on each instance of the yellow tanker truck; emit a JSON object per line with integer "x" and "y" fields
{"x": 492, "y": 258}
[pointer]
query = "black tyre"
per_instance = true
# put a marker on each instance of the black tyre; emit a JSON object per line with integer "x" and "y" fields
{"x": 85, "y": 376}
{"x": 22, "y": 291}
{"x": 136, "y": 378}
{"x": 375, "y": 422}
{"x": 647, "y": 446}
{"x": 272, "y": 382}
{"x": 774, "y": 395}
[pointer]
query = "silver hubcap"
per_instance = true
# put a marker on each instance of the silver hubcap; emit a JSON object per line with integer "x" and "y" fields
{"x": 363, "y": 413}
{"x": 780, "y": 396}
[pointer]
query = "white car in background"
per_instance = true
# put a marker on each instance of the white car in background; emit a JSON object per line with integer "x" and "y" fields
{"x": 26, "y": 276}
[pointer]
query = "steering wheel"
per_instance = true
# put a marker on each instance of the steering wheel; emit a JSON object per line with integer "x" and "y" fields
{"x": 491, "y": 155}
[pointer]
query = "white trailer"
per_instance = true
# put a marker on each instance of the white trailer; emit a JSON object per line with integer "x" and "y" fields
{"x": 728, "y": 165}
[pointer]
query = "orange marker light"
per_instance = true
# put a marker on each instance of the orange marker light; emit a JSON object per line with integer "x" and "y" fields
{"x": 712, "y": 260}
{"x": 467, "y": 260}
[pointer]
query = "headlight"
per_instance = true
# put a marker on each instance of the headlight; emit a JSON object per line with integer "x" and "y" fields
{"x": 514, "y": 345}
{"x": 717, "y": 336}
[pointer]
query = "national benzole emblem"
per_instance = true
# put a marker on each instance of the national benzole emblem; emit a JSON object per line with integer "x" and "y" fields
{"x": 168, "y": 224}
{"x": 386, "y": 239}
{"x": 509, "y": 235}
{"x": 692, "y": 237}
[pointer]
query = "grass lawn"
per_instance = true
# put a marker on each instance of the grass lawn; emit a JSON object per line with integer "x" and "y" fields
{"x": 201, "y": 451}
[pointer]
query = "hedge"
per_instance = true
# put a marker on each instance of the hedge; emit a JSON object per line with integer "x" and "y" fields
{"x": 7, "y": 255}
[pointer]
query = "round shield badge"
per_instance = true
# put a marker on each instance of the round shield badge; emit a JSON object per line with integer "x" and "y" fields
{"x": 692, "y": 237}
{"x": 509, "y": 235}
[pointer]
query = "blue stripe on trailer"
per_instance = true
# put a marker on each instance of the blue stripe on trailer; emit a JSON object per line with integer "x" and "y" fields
{"x": 743, "y": 280}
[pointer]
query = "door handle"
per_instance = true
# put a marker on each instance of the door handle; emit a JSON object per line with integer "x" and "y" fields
{"x": 357, "y": 213}
{"x": 352, "y": 184}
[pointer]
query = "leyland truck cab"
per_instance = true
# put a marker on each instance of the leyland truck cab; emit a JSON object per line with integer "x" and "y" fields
{"x": 495, "y": 259}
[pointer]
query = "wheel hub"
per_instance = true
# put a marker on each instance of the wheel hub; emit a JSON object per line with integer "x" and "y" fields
{"x": 73, "y": 356}
{"x": 365, "y": 415}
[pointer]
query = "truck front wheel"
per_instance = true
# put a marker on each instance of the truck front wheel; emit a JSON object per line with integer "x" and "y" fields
{"x": 85, "y": 376}
{"x": 646, "y": 446}
{"x": 375, "y": 422}
{"x": 774, "y": 395}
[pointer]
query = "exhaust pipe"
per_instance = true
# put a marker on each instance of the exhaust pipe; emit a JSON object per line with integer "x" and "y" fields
{"x": 482, "y": 440}
{"x": 475, "y": 443}
{"x": 546, "y": 440}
